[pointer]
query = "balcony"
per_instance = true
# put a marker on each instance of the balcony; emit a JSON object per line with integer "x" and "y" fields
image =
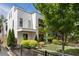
{"x": 26, "y": 30}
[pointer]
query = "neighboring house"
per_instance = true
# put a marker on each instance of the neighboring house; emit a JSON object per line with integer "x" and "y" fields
{"x": 25, "y": 24}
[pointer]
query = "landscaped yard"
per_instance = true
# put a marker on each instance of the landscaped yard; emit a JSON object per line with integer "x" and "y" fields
{"x": 68, "y": 49}
{"x": 54, "y": 47}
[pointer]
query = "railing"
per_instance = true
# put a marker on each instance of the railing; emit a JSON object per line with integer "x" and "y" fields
{"x": 21, "y": 51}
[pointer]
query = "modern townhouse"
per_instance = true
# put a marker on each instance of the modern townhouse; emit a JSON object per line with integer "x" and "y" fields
{"x": 25, "y": 24}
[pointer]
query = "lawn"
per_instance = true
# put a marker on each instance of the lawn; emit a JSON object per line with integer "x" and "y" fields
{"x": 54, "y": 47}
{"x": 68, "y": 49}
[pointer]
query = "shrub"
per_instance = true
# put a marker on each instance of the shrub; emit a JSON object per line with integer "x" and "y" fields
{"x": 29, "y": 43}
{"x": 9, "y": 38}
{"x": 41, "y": 37}
{"x": 41, "y": 44}
{"x": 36, "y": 38}
{"x": 74, "y": 51}
{"x": 11, "y": 41}
{"x": 56, "y": 41}
{"x": 50, "y": 39}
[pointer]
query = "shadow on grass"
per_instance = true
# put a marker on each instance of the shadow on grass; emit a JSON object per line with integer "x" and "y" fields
{"x": 74, "y": 52}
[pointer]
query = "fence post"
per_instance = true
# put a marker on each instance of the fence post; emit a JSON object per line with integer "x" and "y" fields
{"x": 45, "y": 53}
{"x": 21, "y": 51}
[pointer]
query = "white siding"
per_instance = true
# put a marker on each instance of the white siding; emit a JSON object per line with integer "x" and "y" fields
{"x": 16, "y": 15}
{"x": 31, "y": 35}
{"x": 34, "y": 20}
{"x": 25, "y": 16}
{"x": 10, "y": 21}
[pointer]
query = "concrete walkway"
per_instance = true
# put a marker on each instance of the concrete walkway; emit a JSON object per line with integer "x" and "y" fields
{"x": 3, "y": 52}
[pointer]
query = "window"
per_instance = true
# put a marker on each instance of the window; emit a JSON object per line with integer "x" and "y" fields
{"x": 41, "y": 23}
{"x": 29, "y": 23}
{"x": 21, "y": 22}
{"x": 6, "y": 26}
{"x": 25, "y": 36}
{"x": 0, "y": 30}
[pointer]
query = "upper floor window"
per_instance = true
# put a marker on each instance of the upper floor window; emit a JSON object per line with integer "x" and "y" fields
{"x": 21, "y": 22}
{"x": 6, "y": 26}
{"x": 0, "y": 30}
{"x": 29, "y": 23}
{"x": 41, "y": 23}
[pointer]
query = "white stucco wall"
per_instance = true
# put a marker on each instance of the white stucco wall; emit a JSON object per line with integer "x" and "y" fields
{"x": 16, "y": 15}
{"x": 26, "y": 16}
{"x": 35, "y": 18}
{"x": 31, "y": 35}
{"x": 15, "y": 23}
{"x": 10, "y": 21}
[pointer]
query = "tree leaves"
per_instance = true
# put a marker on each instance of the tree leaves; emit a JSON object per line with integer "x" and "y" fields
{"x": 1, "y": 19}
{"x": 59, "y": 17}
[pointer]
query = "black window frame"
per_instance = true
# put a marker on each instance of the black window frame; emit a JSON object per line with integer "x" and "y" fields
{"x": 25, "y": 36}
{"x": 21, "y": 22}
{"x": 6, "y": 26}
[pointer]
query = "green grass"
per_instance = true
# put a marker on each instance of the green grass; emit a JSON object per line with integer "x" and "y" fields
{"x": 72, "y": 52}
{"x": 54, "y": 47}
{"x": 68, "y": 49}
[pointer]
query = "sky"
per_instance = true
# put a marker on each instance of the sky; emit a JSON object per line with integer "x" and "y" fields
{"x": 5, "y": 7}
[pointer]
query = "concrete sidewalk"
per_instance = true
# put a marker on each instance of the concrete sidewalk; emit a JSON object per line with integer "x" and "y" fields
{"x": 3, "y": 52}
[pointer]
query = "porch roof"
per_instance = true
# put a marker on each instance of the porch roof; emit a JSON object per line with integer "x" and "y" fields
{"x": 26, "y": 29}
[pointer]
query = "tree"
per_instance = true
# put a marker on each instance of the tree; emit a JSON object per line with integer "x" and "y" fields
{"x": 41, "y": 30}
{"x": 40, "y": 7}
{"x": 59, "y": 18}
{"x": 75, "y": 10}
{"x": 11, "y": 39}
{"x": 1, "y": 24}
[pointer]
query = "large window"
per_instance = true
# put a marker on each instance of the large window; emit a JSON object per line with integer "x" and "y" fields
{"x": 41, "y": 23}
{"x": 21, "y": 22}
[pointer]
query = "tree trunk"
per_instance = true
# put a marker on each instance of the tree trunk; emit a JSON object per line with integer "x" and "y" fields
{"x": 63, "y": 45}
{"x": 46, "y": 38}
{"x": 65, "y": 38}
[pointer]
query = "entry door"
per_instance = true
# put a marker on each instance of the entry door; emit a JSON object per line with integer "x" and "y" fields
{"x": 25, "y": 36}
